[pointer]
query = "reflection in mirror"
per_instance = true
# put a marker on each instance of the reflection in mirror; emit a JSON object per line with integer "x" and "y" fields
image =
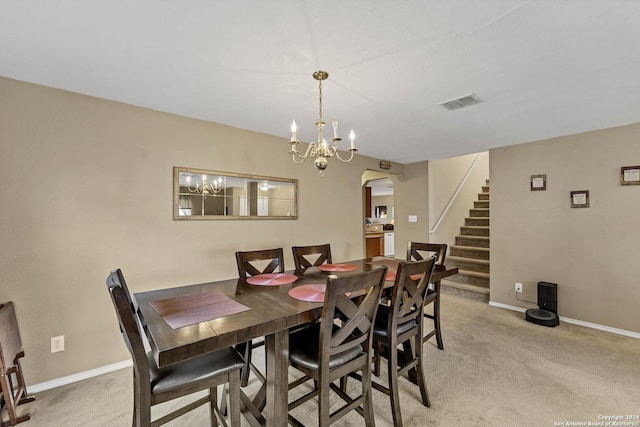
{"x": 201, "y": 194}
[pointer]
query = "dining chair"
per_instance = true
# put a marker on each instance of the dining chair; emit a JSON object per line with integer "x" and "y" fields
{"x": 252, "y": 263}
{"x": 418, "y": 251}
{"x": 14, "y": 389}
{"x": 400, "y": 323}
{"x": 153, "y": 385}
{"x": 249, "y": 262}
{"x": 329, "y": 350}
{"x": 306, "y": 257}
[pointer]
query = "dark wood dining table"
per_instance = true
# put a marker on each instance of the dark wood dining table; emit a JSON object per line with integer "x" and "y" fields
{"x": 271, "y": 313}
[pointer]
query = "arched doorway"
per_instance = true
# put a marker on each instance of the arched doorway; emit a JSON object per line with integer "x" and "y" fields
{"x": 379, "y": 213}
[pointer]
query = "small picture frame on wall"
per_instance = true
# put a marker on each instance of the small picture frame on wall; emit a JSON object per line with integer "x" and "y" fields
{"x": 630, "y": 175}
{"x": 538, "y": 182}
{"x": 580, "y": 199}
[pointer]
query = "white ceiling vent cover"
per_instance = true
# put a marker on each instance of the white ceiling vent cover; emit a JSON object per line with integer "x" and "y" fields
{"x": 463, "y": 101}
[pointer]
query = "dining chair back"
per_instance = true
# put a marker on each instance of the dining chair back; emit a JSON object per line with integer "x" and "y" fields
{"x": 400, "y": 323}
{"x": 12, "y": 385}
{"x": 419, "y": 251}
{"x": 253, "y": 263}
{"x": 153, "y": 385}
{"x": 249, "y": 262}
{"x": 306, "y": 257}
{"x": 339, "y": 344}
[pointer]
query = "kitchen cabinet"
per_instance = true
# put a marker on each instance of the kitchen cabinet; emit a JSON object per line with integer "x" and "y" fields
{"x": 375, "y": 245}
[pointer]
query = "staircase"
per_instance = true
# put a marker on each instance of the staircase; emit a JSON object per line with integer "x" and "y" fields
{"x": 471, "y": 253}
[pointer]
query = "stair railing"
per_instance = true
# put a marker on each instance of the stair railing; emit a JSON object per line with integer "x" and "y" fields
{"x": 455, "y": 194}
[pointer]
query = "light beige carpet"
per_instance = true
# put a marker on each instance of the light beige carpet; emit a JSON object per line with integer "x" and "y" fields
{"x": 496, "y": 370}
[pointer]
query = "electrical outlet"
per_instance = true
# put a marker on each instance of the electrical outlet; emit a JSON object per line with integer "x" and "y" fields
{"x": 518, "y": 287}
{"x": 57, "y": 344}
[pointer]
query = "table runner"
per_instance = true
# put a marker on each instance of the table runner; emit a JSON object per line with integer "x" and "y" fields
{"x": 195, "y": 308}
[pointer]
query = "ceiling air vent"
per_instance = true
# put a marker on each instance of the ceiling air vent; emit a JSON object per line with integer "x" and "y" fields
{"x": 463, "y": 101}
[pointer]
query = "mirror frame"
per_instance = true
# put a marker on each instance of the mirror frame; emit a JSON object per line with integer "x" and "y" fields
{"x": 176, "y": 194}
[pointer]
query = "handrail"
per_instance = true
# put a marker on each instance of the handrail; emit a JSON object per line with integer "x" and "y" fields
{"x": 444, "y": 212}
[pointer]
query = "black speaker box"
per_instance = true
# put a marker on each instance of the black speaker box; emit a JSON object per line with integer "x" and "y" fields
{"x": 547, "y": 312}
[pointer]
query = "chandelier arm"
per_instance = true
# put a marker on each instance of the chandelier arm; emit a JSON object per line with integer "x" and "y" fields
{"x": 311, "y": 151}
{"x": 298, "y": 161}
{"x": 345, "y": 160}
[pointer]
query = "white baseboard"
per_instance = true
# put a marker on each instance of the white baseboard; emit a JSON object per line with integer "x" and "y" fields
{"x": 36, "y": 388}
{"x": 574, "y": 321}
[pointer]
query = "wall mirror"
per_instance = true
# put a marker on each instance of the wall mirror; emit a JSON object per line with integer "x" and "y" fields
{"x": 202, "y": 194}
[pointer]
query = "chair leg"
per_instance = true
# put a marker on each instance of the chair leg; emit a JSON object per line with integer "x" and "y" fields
{"x": 343, "y": 383}
{"x": 436, "y": 322}
{"x": 234, "y": 398}
{"x": 213, "y": 402}
{"x": 366, "y": 392}
{"x": 422, "y": 383}
{"x": 392, "y": 374}
{"x": 223, "y": 401}
{"x": 377, "y": 352}
{"x": 6, "y": 386}
{"x": 141, "y": 407}
{"x": 245, "y": 351}
{"x": 26, "y": 397}
{"x": 323, "y": 405}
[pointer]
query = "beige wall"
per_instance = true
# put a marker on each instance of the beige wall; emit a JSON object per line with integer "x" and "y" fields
{"x": 411, "y": 198}
{"x": 591, "y": 253}
{"x": 87, "y": 187}
{"x": 445, "y": 176}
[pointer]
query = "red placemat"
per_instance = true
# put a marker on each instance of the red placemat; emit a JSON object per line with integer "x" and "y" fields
{"x": 195, "y": 308}
{"x": 391, "y": 276}
{"x": 271, "y": 279}
{"x": 310, "y": 293}
{"x": 337, "y": 267}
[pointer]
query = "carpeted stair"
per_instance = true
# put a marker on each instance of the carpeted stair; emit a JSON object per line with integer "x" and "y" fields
{"x": 471, "y": 253}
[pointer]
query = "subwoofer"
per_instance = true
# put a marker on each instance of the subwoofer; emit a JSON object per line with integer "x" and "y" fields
{"x": 547, "y": 312}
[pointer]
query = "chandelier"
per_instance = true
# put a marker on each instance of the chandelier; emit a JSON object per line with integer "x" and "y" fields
{"x": 321, "y": 149}
{"x": 205, "y": 187}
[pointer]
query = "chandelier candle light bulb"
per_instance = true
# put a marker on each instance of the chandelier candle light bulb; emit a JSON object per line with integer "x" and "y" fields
{"x": 320, "y": 149}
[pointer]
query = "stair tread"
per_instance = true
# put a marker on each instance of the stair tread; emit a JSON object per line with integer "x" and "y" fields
{"x": 478, "y": 248}
{"x": 465, "y": 259}
{"x": 474, "y": 273}
{"x": 464, "y": 236}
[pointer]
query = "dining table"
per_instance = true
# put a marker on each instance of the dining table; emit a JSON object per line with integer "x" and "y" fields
{"x": 187, "y": 321}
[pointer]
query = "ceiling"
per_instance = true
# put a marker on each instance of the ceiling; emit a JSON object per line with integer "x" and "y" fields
{"x": 381, "y": 187}
{"x": 541, "y": 68}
